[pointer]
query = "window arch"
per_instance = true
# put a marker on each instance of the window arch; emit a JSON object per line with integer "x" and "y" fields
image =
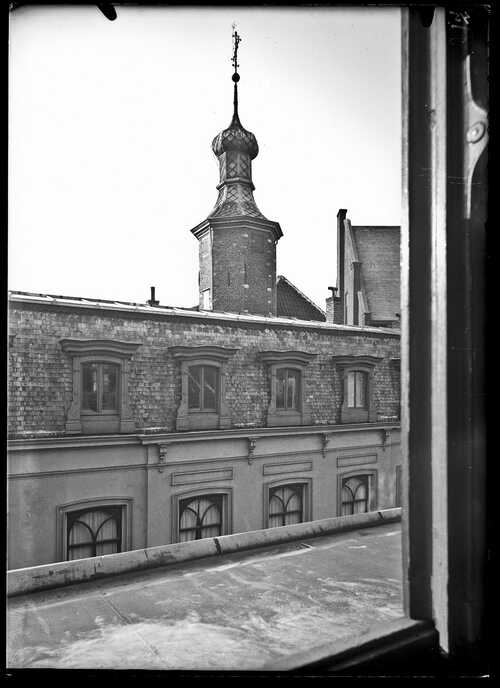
{"x": 94, "y": 527}
{"x": 200, "y": 517}
{"x": 286, "y": 505}
{"x": 357, "y": 492}
{"x": 93, "y": 532}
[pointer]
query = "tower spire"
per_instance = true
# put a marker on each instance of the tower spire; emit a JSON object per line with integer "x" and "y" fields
{"x": 236, "y": 76}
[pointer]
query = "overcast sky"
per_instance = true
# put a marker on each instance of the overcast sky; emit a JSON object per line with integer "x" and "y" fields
{"x": 111, "y": 124}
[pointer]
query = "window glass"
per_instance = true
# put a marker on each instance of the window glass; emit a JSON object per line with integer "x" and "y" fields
{"x": 93, "y": 532}
{"x": 194, "y": 387}
{"x": 287, "y": 388}
{"x": 210, "y": 375}
{"x": 200, "y": 517}
{"x": 355, "y": 495}
{"x": 360, "y": 390}
{"x": 110, "y": 387}
{"x": 285, "y": 505}
{"x": 280, "y": 388}
{"x": 89, "y": 386}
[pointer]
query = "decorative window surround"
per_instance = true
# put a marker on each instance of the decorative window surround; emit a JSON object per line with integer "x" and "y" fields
{"x": 371, "y": 474}
{"x": 216, "y": 356}
{"x": 297, "y": 360}
{"x": 105, "y": 351}
{"x": 62, "y": 512}
{"x": 364, "y": 364}
{"x": 227, "y": 507}
{"x": 306, "y": 484}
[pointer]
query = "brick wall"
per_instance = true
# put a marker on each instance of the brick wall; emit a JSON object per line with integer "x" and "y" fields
{"x": 40, "y": 377}
{"x": 240, "y": 290}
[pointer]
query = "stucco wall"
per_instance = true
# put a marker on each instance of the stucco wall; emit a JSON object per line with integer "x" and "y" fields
{"x": 44, "y": 480}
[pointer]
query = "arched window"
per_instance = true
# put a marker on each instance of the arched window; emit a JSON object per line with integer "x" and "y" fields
{"x": 355, "y": 495}
{"x": 286, "y": 505}
{"x": 93, "y": 532}
{"x": 200, "y": 517}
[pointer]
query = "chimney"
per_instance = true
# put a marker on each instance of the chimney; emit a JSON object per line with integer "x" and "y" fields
{"x": 152, "y": 301}
{"x": 330, "y": 305}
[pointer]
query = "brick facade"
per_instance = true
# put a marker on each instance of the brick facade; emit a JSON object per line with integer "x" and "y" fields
{"x": 40, "y": 374}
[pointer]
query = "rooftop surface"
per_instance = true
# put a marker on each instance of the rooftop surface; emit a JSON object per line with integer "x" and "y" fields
{"x": 80, "y": 302}
{"x": 237, "y": 611}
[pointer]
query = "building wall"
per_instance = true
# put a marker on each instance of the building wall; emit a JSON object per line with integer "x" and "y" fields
{"x": 42, "y": 480}
{"x": 49, "y": 470}
{"x": 244, "y": 271}
{"x": 40, "y": 374}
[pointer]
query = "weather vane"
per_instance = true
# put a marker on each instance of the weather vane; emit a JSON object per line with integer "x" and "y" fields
{"x": 234, "y": 59}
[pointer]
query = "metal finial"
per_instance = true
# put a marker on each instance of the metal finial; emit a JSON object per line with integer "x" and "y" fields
{"x": 236, "y": 76}
{"x": 234, "y": 59}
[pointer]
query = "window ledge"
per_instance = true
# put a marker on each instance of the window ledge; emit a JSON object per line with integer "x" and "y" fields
{"x": 378, "y": 642}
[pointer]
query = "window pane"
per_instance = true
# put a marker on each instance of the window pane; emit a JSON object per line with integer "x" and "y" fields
{"x": 360, "y": 390}
{"x": 350, "y": 390}
{"x": 194, "y": 387}
{"x": 355, "y": 495}
{"x": 200, "y": 517}
{"x": 286, "y": 505}
{"x": 293, "y": 382}
{"x": 110, "y": 387}
{"x": 94, "y": 532}
{"x": 89, "y": 387}
{"x": 280, "y": 388}
{"x": 210, "y": 375}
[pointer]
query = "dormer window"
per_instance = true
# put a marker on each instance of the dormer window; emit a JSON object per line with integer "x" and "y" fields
{"x": 357, "y": 381}
{"x": 99, "y": 401}
{"x": 203, "y": 405}
{"x": 288, "y": 382}
{"x": 356, "y": 389}
{"x": 203, "y": 388}
{"x": 288, "y": 404}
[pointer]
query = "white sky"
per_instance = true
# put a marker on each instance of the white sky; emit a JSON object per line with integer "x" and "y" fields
{"x": 111, "y": 124}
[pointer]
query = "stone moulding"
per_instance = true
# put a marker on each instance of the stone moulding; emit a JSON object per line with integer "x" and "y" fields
{"x": 366, "y": 364}
{"x": 87, "y": 351}
{"x": 286, "y": 359}
{"x": 204, "y": 354}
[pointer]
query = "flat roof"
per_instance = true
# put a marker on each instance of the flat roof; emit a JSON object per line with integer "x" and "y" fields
{"x": 236, "y": 611}
{"x": 79, "y": 302}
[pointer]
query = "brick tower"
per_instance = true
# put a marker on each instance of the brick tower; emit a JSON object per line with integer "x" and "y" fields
{"x": 237, "y": 249}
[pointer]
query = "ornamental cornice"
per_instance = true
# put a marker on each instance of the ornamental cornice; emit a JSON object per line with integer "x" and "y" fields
{"x": 99, "y": 347}
{"x": 286, "y": 357}
{"x": 349, "y": 361}
{"x": 190, "y": 353}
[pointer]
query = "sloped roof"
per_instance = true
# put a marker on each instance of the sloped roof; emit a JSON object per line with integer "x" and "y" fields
{"x": 292, "y": 303}
{"x": 378, "y": 251}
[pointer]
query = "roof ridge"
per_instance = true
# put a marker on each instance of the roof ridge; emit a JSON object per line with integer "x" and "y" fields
{"x": 278, "y": 277}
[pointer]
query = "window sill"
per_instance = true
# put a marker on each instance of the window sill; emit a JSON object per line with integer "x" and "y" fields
{"x": 392, "y": 643}
{"x": 202, "y": 420}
